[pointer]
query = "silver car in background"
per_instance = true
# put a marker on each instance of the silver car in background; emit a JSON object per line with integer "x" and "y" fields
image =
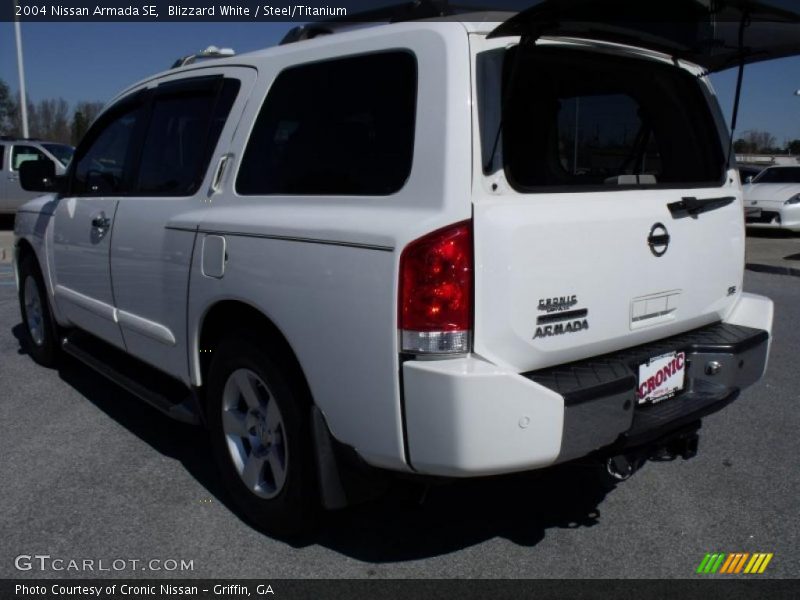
{"x": 14, "y": 152}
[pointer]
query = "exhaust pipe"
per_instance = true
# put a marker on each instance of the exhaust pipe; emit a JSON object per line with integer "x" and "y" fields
{"x": 619, "y": 467}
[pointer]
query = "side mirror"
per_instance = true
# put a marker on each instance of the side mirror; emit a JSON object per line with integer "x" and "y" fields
{"x": 38, "y": 176}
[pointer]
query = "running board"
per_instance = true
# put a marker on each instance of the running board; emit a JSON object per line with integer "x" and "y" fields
{"x": 129, "y": 373}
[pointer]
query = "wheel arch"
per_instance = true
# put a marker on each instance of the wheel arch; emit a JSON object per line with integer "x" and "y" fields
{"x": 22, "y": 249}
{"x": 224, "y": 316}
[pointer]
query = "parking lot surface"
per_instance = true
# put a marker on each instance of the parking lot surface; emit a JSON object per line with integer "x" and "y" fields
{"x": 775, "y": 251}
{"x": 89, "y": 472}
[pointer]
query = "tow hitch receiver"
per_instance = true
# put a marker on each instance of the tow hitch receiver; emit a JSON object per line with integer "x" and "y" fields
{"x": 683, "y": 444}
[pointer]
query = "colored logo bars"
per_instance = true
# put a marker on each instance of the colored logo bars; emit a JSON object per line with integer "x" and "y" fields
{"x": 734, "y": 563}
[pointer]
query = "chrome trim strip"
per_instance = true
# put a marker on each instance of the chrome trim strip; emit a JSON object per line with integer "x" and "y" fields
{"x": 146, "y": 327}
{"x": 286, "y": 238}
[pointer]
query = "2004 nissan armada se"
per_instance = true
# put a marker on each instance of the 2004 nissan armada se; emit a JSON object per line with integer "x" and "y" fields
{"x": 439, "y": 248}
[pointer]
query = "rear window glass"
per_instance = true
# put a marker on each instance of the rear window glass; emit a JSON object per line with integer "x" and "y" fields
{"x": 782, "y": 175}
{"x": 575, "y": 119}
{"x": 338, "y": 127}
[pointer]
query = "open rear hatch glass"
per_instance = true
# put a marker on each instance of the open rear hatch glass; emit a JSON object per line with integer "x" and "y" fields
{"x": 715, "y": 34}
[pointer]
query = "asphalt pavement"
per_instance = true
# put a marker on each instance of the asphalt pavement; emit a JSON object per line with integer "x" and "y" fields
{"x": 773, "y": 251}
{"x": 90, "y": 473}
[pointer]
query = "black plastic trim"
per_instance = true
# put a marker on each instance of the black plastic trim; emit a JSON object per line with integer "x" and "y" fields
{"x": 609, "y": 374}
{"x": 161, "y": 391}
{"x": 562, "y": 316}
{"x": 690, "y": 206}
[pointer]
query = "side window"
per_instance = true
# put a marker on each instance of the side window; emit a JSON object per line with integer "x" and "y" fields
{"x": 185, "y": 124}
{"x": 343, "y": 127}
{"x": 21, "y": 154}
{"x": 2, "y": 157}
{"x": 101, "y": 164}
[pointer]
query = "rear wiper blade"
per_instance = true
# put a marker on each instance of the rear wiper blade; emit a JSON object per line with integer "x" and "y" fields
{"x": 689, "y": 206}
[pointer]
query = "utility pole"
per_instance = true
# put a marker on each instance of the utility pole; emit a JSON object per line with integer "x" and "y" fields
{"x": 23, "y": 102}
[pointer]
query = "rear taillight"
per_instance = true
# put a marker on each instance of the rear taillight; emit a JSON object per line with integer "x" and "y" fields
{"x": 435, "y": 297}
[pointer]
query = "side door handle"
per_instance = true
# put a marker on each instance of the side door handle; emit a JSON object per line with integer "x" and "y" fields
{"x": 101, "y": 221}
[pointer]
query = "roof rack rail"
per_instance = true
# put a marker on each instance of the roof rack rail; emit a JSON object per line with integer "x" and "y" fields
{"x": 210, "y": 52}
{"x": 407, "y": 11}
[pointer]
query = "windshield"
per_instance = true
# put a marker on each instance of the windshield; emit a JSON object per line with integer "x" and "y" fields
{"x": 61, "y": 151}
{"x": 779, "y": 175}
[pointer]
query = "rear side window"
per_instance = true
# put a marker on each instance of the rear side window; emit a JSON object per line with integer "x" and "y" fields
{"x": 339, "y": 127}
{"x": 183, "y": 130}
{"x": 575, "y": 120}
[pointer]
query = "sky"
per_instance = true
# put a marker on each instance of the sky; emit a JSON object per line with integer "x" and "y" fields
{"x": 94, "y": 61}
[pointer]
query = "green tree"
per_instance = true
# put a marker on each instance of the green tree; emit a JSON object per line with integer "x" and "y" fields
{"x": 79, "y": 127}
{"x": 793, "y": 147}
{"x": 85, "y": 113}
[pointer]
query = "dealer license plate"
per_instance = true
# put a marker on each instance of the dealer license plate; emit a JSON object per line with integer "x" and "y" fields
{"x": 661, "y": 377}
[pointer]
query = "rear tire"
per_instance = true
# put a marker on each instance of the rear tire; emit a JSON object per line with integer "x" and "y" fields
{"x": 259, "y": 418}
{"x": 39, "y": 332}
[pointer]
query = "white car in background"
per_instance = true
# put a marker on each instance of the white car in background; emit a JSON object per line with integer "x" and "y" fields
{"x": 772, "y": 199}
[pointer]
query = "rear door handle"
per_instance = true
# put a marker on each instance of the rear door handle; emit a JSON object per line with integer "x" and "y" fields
{"x": 690, "y": 206}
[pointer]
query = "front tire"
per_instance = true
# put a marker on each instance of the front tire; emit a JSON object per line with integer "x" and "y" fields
{"x": 259, "y": 418}
{"x": 39, "y": 331}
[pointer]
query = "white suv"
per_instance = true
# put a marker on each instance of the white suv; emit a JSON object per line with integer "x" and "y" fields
{"x": 413, "y": 248}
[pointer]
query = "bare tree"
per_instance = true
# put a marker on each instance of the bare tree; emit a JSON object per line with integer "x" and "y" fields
{"x": 49, "y": 119}
{"x": 759, "y": 141}
{"x": 53, "y": 121}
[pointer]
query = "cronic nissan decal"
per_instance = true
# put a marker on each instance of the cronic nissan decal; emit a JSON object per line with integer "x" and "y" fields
{"x": 559, "y": 317}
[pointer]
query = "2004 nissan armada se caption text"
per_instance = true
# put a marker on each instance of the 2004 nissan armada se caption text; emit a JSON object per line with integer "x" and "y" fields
{"x": 435, "y": 248}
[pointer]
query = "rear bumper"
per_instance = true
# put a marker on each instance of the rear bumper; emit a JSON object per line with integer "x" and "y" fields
{"x": 467, "y": 417}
